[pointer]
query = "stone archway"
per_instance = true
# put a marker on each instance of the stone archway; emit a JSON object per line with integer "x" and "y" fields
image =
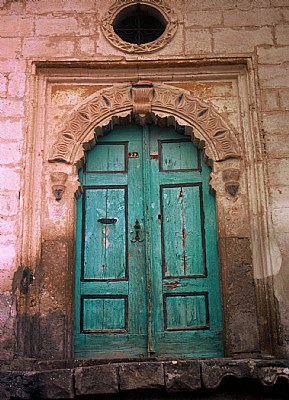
{"x": 149, "y": 102}
{"x": 146, "y": 103}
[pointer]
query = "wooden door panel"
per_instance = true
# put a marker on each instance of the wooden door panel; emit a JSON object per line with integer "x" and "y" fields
{"x": 186, "y": 311}
{"x": 186, "y": 294}
{"x": 109, "y": 157}
{"x": 183, "y": 240}
{"x": 178, "y": 155}
{"x": 105, "y": 244}
{"x": 111, "y": 310}
{"x": 103, "y": 313}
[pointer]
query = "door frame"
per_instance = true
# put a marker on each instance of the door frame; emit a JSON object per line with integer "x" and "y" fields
{"x": 51, "y": 183}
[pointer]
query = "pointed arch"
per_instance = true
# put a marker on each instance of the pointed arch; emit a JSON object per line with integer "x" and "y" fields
{"x": 163, "y": 104}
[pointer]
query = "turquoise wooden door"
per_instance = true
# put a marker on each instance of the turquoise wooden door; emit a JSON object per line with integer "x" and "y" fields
{"x": 147, "y": 279}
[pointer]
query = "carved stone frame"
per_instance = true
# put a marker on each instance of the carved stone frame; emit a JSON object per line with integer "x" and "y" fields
{"x": 46, "y": 309}
{"x": 116, "y": 41}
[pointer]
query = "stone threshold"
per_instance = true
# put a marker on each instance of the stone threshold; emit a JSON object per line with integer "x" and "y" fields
{"x": 71, "y": 379}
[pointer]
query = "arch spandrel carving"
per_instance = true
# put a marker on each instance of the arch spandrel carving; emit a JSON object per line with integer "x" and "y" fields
{"x": 160, "y": 101}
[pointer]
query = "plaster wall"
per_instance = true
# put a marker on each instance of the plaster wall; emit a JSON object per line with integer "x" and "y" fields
{"x": 56, "y": 31}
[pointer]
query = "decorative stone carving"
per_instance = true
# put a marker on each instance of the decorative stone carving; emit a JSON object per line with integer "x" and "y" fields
{"x": 116, "y": 41}
{"x": 142, "y": 96}
{"x": 204, "y": 124}
{"x": 231, "y": 178}
{"x": 58, "y": 180}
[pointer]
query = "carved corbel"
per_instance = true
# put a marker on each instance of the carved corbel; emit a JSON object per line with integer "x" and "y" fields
{"x": 58, "y": 180}
{"x": 142, "y": 97}
{"x": 231, "y": 178}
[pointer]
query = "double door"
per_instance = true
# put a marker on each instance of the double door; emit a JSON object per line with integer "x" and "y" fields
{"x": 147, "y": 280}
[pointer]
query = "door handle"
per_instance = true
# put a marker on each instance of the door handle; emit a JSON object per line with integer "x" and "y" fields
{"x": 107, "y": 220}
{"x": 137, "y": 229}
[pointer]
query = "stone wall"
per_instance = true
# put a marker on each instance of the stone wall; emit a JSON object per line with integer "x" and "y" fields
{"x": 38, "y": 31}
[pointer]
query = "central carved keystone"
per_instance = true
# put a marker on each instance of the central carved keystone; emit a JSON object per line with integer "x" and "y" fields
{"x": 142, "y": 97}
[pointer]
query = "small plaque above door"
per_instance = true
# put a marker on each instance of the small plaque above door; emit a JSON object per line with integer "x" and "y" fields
{"x": 133, "y": 154}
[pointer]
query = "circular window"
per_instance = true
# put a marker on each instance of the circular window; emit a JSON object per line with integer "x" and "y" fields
{"x": 144, "y": 26}
{"x": 139, "y": 24}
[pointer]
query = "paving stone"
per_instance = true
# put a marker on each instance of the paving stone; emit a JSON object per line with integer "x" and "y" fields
{"x": 213, "y": 372}
{"x": 144, "y": 375}
{"x": 56, "y": 384}
{"x": 17, "y": 385}
{"x": 96, "y": 380}
{"x": 182, "y": 376}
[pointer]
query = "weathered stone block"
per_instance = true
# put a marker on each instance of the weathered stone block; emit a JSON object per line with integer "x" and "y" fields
{"x": 214, "y": 372}
{"x": 53, "y": 327}
{"x": 51, "y": 46}
{"x": 239, "y": 296}
{"x": 278, "y": 171}
{"x": 11, "y": 130}
{"x": 233, "y": 216}
{"x": 274, "y": 145}
{"x": 87, "y": 46}
{"x": 7, "y": 326}
{"x": 56, "y": 26}
{"x": 17, "y": 84}
{"x": 276, "y": 123}
{"x": 11, "y": 108}
{"x": 203, "y": 18}
{"x": 273, "y": 76}
{"x": 10, "y": 153}
{"x": 284, "y": 98}
{"x": 270, "y": 100}
{"x": 268, "y": 371}
{"x": 192, "y": 5}
{"x": 12, "y": 65}
{"x": 7, "y": 256}
{"x": 240, "y": 40}
{"x": 56, "y": 384}
{"x": 9, "y": 202}
{"x": 9, "y": 47}
{"x": 273, "y": 55}
{"x": 45, "y": 7}
{"x": 96, "y": 380}
{"x": 10, "y": 179}
{"x": 280, "y": 217}
{"x": 279, "y": 3}
{"x": 198, "y": 41}
{"x": 16, "y": 25}
{"x": 17, "y": 385}
{"x": 182, "y": 376}
{"x": 3, "y": 85}
{"x": 254, "y": 17}
{"x": 279, "y": 197}
{"x": 143, "y": 375}
{"x": 282, "y": 34}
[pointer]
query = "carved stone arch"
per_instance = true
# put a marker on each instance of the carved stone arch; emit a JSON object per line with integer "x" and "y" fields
{"x": 146, "y": 102}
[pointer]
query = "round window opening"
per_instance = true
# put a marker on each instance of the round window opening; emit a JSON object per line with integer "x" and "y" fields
{"x": 139, "y": 24}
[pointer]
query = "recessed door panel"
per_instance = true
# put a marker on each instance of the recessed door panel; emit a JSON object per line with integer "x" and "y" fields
{"x": 183, "y": 240}
{"x": 105, "y": 233}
